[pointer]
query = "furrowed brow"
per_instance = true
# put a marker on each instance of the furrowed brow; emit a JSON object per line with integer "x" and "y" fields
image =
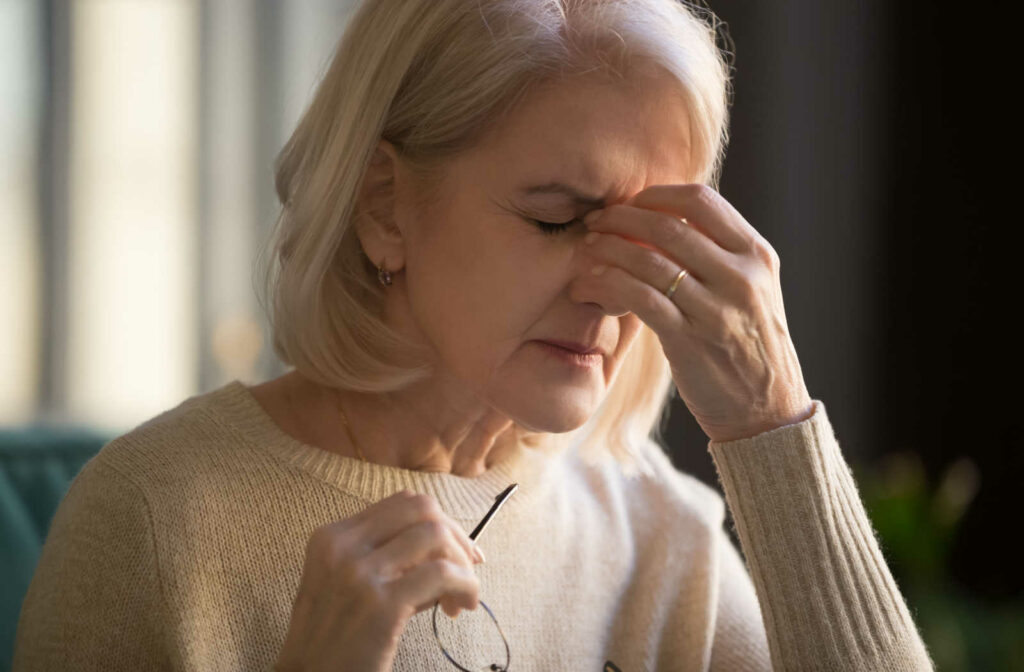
{"x": 564, "y": 190}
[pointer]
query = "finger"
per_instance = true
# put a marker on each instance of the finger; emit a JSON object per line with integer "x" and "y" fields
{"x": 710, "y": 212}
{"x": 654, "y": 269}
{"x": 426, "y": 540}
{"x": 404, "y": 510}
{"x": 429, "y": 582}
{"x": 658, "y": 311}
{"x": 467, "y": 544}
{"x": 392, "y": 502}
{"x": 677, "y": 240}
{"x": 706, "y": 208}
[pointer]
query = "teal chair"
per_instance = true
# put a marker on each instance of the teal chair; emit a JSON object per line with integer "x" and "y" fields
{"x": 37, "y": 464}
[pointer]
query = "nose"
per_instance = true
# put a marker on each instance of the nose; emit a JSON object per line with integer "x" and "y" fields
{"x": 585, "y": 287}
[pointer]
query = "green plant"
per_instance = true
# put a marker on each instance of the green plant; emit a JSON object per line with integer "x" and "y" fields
{"x": 916, "y": 524}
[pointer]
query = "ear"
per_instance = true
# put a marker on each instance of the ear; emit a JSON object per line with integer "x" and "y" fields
{"x": 377, "y": 209}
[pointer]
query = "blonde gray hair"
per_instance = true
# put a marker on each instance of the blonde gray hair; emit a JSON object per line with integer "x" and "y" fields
{"x": 434, "y": 77}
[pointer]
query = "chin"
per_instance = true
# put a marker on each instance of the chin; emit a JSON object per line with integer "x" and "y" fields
{"x": 553, "y": 417}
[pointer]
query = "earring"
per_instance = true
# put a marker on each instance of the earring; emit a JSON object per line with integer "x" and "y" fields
{"x": 383, "y": 275}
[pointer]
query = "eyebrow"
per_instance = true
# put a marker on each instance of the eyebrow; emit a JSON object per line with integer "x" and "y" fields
{"x": 565, "y": 190}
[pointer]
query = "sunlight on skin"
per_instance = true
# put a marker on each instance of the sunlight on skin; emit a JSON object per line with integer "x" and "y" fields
{"x": 478, "y": 280}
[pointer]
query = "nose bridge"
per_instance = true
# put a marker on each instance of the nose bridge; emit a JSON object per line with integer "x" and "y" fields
{"x": 581, "y": 261}
{"x": 577, "y": 286}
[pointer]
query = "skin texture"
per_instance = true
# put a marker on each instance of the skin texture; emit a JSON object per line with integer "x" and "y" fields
{"x": 478, "y": 282}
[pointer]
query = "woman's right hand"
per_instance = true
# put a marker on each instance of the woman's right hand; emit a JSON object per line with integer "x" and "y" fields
{"x": 365, "y": 576}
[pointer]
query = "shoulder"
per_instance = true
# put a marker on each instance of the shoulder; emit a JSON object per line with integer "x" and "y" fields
{"x": 100, "y": 557}
{"x": 180, "y": 444}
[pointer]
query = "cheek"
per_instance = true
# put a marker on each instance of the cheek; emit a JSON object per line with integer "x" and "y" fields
{"x": 629, "y": 328}
{"x": 470, "y": 303}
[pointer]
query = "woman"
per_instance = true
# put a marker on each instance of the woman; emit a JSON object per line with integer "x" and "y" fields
{"x": 472, "y": 182}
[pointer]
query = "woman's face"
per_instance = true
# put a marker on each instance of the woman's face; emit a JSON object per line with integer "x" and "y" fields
{"x": 482, "y": 283}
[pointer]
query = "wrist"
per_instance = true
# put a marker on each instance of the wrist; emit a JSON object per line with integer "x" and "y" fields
{"x": 774, "y": 422}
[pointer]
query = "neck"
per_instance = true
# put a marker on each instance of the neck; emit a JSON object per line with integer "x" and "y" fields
{"x": 416, "y": 429}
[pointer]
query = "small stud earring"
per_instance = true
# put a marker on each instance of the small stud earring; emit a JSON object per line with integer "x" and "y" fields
{"x": 383, "y": 275}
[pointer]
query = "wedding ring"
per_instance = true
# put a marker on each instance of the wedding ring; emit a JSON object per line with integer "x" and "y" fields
{"x": 675, "y": 283}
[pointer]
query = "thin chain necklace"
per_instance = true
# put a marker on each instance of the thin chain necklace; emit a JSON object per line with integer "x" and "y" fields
{"x": 348, "y": 430}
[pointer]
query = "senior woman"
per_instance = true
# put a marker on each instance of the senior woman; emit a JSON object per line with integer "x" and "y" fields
{"x": 500, "y": 254}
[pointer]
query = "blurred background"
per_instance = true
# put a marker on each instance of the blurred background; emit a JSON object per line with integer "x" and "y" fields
{"x": 136, "y": 146}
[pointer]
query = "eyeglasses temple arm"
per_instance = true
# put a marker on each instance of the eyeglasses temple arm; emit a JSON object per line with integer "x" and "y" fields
{"x": 498, "y": 501}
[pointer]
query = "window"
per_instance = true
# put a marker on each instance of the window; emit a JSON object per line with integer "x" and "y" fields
{"x": 137, "y": 184}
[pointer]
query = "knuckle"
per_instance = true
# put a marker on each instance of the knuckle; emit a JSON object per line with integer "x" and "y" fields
{"x": 426, "y": 507}
{"x": 349, "y": 576}
{"x": 704, "y": 194}
{"x": 451, "y": 571}
{"x": 677, "y": 234}
{"x": 442, "y": 570}
{"x": 358, "y": 572}
{"x": 340, "y": 545}
{"x": 765, "y": 252}
{"x": 434, "y": 530}
{"x": 746, "y": 290}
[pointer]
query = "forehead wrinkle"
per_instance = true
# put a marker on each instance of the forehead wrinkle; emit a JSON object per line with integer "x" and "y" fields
{"x": 605, "y": 165}
{"x": 582, "y": 182}
{"x": 580, "y": 193}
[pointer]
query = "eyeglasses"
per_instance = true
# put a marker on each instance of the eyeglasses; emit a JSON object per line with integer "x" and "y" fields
{"x": 496, "y": 667}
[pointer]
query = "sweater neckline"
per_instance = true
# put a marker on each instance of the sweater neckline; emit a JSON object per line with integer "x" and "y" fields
{"x": 459, "y": 496}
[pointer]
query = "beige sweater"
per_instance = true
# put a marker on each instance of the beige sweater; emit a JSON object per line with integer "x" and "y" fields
{"x": 180, "y": 547}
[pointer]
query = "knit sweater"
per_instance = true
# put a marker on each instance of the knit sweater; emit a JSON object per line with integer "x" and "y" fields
{"x": 180, "y": 546}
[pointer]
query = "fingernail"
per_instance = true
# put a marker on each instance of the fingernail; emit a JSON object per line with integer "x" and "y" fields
{"x": 591, "y": 216}
{"x": 479, "y": 553}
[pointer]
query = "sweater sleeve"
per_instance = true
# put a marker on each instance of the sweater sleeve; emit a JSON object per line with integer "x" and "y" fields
{"x": 94, "y": 602}
{"x": 827, "y": 597}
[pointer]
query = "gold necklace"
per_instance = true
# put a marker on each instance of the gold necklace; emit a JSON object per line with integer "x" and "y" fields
{"x": 348, "y": 430}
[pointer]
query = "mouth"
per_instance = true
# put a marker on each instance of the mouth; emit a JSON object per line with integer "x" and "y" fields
{"x": 578, "y": 348}
{"x": 572, "y": 357}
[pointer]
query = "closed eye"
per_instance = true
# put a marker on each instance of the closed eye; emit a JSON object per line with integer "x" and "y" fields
{"x": 554, "y": 228}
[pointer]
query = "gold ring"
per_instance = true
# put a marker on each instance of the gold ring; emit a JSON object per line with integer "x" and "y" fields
{"x": 675, "y": 283}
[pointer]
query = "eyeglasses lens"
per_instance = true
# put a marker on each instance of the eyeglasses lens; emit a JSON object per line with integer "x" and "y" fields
{"x": 472, "y": 638}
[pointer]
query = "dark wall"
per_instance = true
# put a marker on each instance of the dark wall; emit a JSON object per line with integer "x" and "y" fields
{"x": 949, "y": 304}
{"x": 869, "y": 147}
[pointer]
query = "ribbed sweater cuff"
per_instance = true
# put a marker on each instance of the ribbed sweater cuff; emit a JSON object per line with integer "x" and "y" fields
{"x": 827, "y": 597}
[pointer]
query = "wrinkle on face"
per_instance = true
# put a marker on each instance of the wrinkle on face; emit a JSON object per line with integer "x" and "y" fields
{"x": 481, "y": 281}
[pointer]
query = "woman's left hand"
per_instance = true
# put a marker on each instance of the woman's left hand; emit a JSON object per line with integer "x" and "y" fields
{"x": 724, "y": 329}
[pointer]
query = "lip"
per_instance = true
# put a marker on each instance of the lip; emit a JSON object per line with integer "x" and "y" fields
{"x": 576, "y": 347}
